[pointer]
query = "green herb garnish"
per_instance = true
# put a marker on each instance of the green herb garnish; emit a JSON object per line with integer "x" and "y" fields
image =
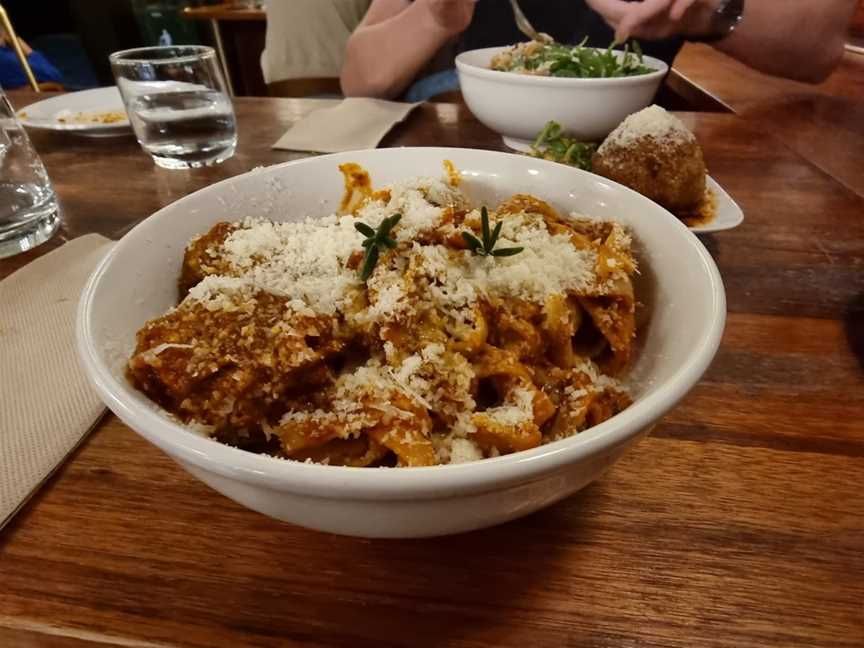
{"x": 490, "y": 238}
{"x": 551, "y": 144}
{"x": 375, "y": 241}
{"x": 559, "y": 60}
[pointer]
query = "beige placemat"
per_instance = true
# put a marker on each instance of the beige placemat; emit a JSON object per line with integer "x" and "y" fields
{"x": 354, "y": 123}
{"x": 46, "y": 403}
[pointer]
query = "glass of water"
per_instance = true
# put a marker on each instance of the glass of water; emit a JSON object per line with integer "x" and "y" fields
{"x": 29, "y": 214}
{"x": 177, "y": 103}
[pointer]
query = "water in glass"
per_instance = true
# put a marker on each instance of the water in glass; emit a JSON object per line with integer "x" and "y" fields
{"x": 177, "y": 103}
{"x": 185, "y": 129}
{"x": 29, "y": 214}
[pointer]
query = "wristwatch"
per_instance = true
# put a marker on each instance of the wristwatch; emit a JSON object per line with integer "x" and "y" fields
{"x": 724, "y": 20}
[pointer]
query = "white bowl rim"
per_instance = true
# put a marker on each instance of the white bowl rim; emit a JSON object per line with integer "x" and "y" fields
{"x": 463, "y": 66}
{"x": 431, "y": 482}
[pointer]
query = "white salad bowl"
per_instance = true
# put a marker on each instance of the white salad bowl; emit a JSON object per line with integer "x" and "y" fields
{"x": 518, "y": 106}
{"x": 683, "y": 317}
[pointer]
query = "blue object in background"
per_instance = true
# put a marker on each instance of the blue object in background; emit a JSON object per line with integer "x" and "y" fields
{"x": 12, "y": 74}
{"x": 432, "y": 85}
{"x": 68, "y": 55}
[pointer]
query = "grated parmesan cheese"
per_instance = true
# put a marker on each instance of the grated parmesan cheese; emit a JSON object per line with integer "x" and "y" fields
{"x": 463, "y": 451}
{"x": 307, "y": 261}
{"x": 304, "y": 261}
{"x": 217, "y": 292}
{"x": 651, "y": 122}
{"x": 599, "y": 381}
{"x": 313, "y": 264}
{"x": 520, "y": 410}
{"x": 548, "y": 264}
{"x": 421, "y": 202}
{"x": 439, "y": 381}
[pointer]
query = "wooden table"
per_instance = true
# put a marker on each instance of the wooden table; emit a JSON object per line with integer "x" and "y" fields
{"x": 738, "y": 522}
{"x": 824, "y": 123}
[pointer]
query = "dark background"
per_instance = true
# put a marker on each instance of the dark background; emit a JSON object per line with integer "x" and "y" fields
{"x": 78, "y": 35}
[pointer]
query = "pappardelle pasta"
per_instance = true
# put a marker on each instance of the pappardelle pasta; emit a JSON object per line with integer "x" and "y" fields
{"x": 448, "y": 352}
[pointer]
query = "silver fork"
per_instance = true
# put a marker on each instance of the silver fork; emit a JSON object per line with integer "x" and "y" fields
{"x": 525, "y": 25}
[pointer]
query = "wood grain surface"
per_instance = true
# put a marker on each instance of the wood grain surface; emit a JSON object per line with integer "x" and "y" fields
{"x": 738, "y": 522}
{"x": 824, "y": 123}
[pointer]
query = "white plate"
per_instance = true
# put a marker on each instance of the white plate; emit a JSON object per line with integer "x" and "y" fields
{"x": 46, "y": 114}
{"x": 728, "y": 214}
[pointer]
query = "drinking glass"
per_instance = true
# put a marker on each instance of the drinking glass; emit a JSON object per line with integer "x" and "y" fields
{"x": 177, "y": 103}
{"x": 29, "y": 214}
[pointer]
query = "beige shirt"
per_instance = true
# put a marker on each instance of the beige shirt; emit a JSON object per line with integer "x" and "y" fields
{"x": 307, "y": 38}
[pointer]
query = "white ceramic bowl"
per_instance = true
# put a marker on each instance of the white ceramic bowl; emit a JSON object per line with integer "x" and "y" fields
{"x": 518, "y": 106}
{"x": 137, "y": 281}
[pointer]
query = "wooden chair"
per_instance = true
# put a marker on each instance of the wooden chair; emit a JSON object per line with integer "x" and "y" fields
{"x": 304, "y": 87}
{"x": 6, "y": 24}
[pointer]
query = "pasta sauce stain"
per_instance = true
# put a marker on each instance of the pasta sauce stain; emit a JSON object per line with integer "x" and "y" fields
{"x": 705, "y": 213}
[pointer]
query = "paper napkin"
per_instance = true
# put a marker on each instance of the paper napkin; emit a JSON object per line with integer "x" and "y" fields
{"x": 352, "y": 124}
{"x": 46, "y": 403}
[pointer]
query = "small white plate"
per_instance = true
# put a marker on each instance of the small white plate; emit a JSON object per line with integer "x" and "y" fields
{"x": 71, "y": 113}
{"x": 728, "y": 213}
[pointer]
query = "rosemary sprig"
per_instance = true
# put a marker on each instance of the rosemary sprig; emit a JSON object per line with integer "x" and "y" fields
{"x": 490, "y": 238}
{"x": 374, "y": 242}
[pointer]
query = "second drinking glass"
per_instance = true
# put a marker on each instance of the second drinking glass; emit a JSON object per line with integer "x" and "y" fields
{"x": 177, "y": 103}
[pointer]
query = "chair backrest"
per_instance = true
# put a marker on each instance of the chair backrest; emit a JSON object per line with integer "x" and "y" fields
{"x": 6, "y": 26}
{"x": 304, "y": 87}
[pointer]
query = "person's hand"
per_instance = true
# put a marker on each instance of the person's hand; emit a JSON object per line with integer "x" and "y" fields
{"x": 453, "y": 16}
{"x": 5, "y": 42}
{"x": 653, "y": 19}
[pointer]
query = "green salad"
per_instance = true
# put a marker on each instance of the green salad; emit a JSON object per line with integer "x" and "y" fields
{"x": 575, "y": 61}
{"x": 552, "y": 144}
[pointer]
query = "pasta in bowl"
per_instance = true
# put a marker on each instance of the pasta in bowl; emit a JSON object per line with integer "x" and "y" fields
{"x": 515, "y": 367}
{"x": 471, "y": 333}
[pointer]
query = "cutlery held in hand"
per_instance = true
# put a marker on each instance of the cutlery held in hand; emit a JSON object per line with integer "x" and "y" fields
{"x": 525, "y": 25}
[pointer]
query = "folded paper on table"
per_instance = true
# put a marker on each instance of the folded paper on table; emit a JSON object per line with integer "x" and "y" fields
{"x": 46, "y": 404}
{"x": 354, "y": 123}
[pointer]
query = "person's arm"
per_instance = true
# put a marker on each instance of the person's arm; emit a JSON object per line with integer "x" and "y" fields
{"x": 4, "y": 42}
{"x": 797, "y": 39}
{"x": 396, "y": 39}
